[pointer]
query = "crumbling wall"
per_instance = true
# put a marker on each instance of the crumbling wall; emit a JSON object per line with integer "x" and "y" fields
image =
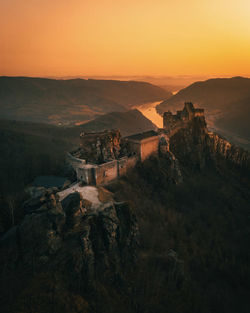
{"x": 99, "y": 147}
{"x": 174, "y": 122}
{"x": 106, "y": 172}
{"x": 125, "y": 163}
{"x": 134, "y": 148}
{"x": 131, "y": 162}
{"x": 163, "y": 142}
{"x": 170, "y": 125}
{"x": 148, "y": 147}
{"x": 75, "y": 162}
{"x": 122, "y": 166}
{"x": 86, "y": 174}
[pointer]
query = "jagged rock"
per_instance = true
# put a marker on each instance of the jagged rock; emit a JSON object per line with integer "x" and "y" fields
{"x": 188, "y": 144}
{"x": 99, "y": 148}
{"x": 194, "y": 146}
{"x": 38, "y": 196}
{"x": 220, "y": 147}
{"x": 73, "y": 204}
{"x": 175, "y": 169}
{"x": 81, "y": 248}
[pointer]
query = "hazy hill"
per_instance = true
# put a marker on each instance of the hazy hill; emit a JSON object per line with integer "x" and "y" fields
{"x": 68, "y": 101}
{"x": 226, "y": 102}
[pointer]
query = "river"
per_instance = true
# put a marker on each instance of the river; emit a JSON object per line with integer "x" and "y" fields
{"x": 149, "y": 111}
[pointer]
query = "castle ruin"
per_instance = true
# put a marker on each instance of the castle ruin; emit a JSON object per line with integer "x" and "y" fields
{"x": 102, "y": 157}
{"x": 173, "y": 122}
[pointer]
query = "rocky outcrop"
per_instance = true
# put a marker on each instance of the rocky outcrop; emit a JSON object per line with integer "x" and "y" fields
{"x": 79, "y": 248}
{"x": 99, "y": 147}
{"x": 193, "y": 145}
{"x": 221, "y": 147}
{"x": 188, "y": 144}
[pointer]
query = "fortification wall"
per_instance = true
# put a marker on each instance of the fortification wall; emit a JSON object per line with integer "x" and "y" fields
{"x": 134, "y": 147}
{"x": 149, "y": 147}
{"x": 86, "y": 175}
{"x": 131, "y": 162}
{"x": 106, "y": 172}
{"x": 75, "y": 162}
{"x": 122, "y": 166}
{"x": 171, "y": 123}
{"x": 125, "y": 163}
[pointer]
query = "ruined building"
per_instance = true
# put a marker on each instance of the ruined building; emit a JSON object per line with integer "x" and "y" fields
{"x": 104, "y": 156}
{"x": 173, "y": 122}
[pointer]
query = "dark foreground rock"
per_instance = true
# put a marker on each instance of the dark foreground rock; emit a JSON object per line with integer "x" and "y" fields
{"x": 61, "y": 251}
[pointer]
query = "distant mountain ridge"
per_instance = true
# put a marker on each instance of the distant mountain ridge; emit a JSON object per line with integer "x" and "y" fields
{"x": 226, "y": 102}
{"x": 68, "y": 101}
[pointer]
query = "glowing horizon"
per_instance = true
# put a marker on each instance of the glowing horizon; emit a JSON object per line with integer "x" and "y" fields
{"x": 123, "y": 38}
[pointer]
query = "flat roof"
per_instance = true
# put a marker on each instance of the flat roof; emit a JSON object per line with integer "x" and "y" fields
{"x": 142, "y": 136}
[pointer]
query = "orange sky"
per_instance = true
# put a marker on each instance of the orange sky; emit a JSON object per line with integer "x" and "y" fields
{"x": 124, "y": 37}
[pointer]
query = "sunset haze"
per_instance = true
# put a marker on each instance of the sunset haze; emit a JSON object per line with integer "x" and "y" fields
{"x": 139, "y": 37}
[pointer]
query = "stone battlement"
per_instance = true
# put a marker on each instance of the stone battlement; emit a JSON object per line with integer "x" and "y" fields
{"x": 173, "y": 122}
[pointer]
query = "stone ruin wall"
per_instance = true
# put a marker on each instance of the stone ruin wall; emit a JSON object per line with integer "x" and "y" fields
{"x": 101, "y": 147}
{"x": 106, "y": 172}
{"x": 75, "y": 162}
{"x": 86, "y": 175}
{"x": 174, "y": 122}
{"x": 149, "y": 147}
{"x": 101, "y": 174}
{"x": 110, "y": 171}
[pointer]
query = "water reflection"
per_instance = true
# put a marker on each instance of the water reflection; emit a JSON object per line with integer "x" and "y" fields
{"x": 149, "y": 111}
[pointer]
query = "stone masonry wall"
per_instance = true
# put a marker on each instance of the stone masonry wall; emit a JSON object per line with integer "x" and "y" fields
{"x": 148, "y": 147}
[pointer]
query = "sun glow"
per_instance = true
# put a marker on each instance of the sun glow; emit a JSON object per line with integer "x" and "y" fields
{"x": 104, "y": 37}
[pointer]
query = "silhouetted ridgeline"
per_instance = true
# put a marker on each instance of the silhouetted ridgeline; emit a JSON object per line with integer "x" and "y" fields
{"x": 69, "y": 101}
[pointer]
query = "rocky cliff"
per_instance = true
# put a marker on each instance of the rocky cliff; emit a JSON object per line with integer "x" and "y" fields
{"x": 65, "y": 249}
{"x": 194, "y": 145}
{"x": 230, "y": 152}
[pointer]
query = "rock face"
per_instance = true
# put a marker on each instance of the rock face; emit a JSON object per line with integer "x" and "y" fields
{"x": 194, "y": 145}
{"x": 220, "y": 146}
{"x": 76, "y": 248}
{"x": 99, "y": 148}
{"x": 188, "y": 144}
